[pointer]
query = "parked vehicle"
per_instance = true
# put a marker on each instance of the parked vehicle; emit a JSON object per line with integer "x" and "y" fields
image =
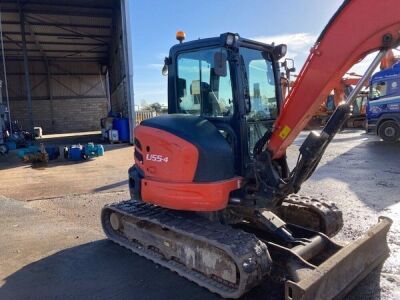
{"x": 383, "y": 109}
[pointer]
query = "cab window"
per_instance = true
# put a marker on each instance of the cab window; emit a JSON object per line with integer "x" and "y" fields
{"x": 385, "y": 88}
{"x": 201, "y": 89}
{"x": 261, "y": 85}
{"x": 379, "y": 89}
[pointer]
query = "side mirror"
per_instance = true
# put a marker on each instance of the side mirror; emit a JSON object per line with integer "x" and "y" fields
{"x": 164, "y": 70}
{"x": 220, "y": 64}
{"x": 181, "y": 86}
{"x": 288, "y": 65}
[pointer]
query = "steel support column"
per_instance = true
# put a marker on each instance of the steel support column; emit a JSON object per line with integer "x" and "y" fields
{"x": 26, "y": 68}
{"x": 48, "y": 72}
{"x": 127, "y": 42}
{"x": 50, "y": 91}
{"x": 5, "y": 73}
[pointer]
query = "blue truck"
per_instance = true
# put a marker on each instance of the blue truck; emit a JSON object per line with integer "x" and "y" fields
{"x": 383, "y": 108}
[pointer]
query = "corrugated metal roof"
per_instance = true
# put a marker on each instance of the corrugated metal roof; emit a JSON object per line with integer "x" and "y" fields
{"x": 59, "y": 28}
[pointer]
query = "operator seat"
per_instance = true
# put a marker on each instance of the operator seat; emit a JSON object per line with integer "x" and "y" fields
{"x": 207, "y": 100}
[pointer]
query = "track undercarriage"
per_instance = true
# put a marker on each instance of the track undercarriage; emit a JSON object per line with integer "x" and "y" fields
{"x": 231, "y": 259}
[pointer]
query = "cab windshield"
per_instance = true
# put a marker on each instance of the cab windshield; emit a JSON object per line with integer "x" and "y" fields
{"x": 385, "y": 88}
{"x": 378, "y": 90}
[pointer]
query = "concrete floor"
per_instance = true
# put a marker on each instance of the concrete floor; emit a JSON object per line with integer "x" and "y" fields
{"x": 22, "y": 181}
{"x": 52, "y": 245}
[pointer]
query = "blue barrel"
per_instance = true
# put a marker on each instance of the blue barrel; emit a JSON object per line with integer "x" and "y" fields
{"x": 53, "y": 152}
{"x": 75, "y": 152}
{"x": 122, "y": 126}
{"x": 11, "y": 145}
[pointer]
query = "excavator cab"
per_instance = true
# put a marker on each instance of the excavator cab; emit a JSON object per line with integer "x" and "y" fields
{"x": 224, "y": 97}
{"x": 226, "y": 79}
{"x": 231, "y": 82}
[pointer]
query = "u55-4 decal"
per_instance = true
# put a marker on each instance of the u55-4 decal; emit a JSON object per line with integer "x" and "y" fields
{"x": 157, "y": 158}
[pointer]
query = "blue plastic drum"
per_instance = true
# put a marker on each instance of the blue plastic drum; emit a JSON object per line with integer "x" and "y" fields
{"x": 75, "y": 153}
{"x": 122, "y": 126}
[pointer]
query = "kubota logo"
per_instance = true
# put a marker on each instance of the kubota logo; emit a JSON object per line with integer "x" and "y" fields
{"x": 157, "y": 158}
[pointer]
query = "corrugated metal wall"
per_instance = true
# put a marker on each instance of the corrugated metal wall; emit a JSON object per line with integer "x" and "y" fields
{"x": 69, "y": 80}
{"x": 78, "y": 91}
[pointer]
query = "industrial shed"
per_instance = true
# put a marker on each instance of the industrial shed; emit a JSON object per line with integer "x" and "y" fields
{"x": 67, "y": 63}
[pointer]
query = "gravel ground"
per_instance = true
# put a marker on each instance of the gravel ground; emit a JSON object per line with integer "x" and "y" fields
{"x": 54, "y": 248}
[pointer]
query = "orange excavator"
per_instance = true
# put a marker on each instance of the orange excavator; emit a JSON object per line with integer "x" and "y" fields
{"x": 357, "y": 118}
{"x": 389, "y": 60}
{"x": 339, "y": 94}
{"x": 213, "y": 198}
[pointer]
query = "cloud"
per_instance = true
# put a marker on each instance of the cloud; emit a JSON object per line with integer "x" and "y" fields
{"x": 362, "y": 66}
{"x": 299, "y": 44}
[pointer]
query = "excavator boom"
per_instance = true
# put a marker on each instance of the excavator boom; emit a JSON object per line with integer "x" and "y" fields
{"x": 358, "y": 28}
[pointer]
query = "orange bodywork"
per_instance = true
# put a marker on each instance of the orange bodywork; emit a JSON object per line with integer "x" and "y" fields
{"x": 165, "y": 156}
{"x": 338, "y": 90}
{"x": 169, "y": 164}
{"x": 388, "y": 60}
{"x": 355, "y": 31}
{"x": 189, "y": 196}
{"x": 338, "y": 96}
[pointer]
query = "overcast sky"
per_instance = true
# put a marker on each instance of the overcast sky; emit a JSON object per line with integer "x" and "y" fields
{"x": 155, "y": 22}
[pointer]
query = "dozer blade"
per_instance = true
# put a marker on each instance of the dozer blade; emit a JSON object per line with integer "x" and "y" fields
{"x": 336, "y": 276}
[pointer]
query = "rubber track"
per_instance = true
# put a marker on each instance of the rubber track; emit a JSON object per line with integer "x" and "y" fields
{"x": 328, "y": 212}
{"x": 240, "y": 246}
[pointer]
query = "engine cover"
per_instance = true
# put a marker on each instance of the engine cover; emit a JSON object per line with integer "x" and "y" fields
{"x": 185, "y": 163}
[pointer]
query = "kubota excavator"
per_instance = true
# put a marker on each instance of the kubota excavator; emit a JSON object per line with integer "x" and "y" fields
{"x": 389, "y": 60}
{"x": 340, "y": 92}
{"x": 357, "y": 118}
{"x": 212, "y": 194}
